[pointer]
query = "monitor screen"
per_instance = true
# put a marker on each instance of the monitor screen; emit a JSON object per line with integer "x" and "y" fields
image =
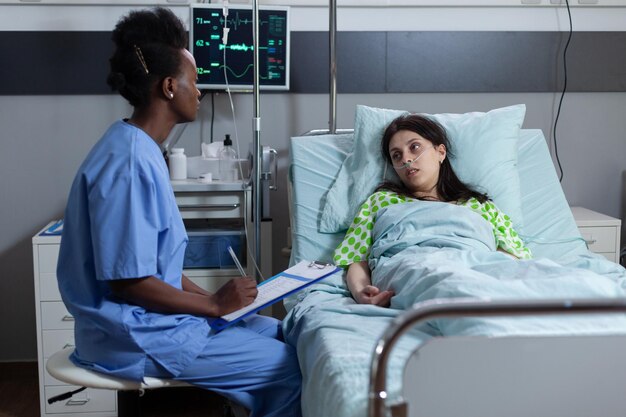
{"x": 219, "y": 64}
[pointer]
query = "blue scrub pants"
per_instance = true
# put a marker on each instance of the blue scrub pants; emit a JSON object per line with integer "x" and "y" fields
{"x": 249, "y": 364}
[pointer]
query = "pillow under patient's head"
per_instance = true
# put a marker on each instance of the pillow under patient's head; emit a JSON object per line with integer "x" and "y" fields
{"x": 485, "y": 158}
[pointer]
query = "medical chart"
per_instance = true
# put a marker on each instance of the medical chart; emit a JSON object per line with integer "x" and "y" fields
{"x": 278, "y": 287}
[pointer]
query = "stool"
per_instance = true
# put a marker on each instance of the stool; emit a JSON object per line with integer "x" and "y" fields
{"x": 62, "y": 368}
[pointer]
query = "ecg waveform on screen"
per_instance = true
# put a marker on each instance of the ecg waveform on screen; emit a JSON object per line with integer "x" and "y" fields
{"x": 238, "y": 47}
{"x": 236, "y": 21}
{"x": 248, "y": 71}
{"x": 233, "y": 23}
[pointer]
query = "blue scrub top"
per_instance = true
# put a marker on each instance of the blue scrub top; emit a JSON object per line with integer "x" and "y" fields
{"x": 121, "y": 222}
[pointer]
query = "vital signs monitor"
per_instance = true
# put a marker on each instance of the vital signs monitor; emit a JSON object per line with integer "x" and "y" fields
{"x": 228, "y": 60}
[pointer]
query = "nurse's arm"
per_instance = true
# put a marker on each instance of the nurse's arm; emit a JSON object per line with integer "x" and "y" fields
{"x": 155, "y": 295}
{"x": 190, "y": 286}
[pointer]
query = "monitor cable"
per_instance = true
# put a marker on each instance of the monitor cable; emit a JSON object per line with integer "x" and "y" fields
{"x": 212, "y": 113}
{"x": 558, "y": 112}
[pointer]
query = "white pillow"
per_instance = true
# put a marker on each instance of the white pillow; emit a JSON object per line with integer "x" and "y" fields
{"x": 484, "y": 149}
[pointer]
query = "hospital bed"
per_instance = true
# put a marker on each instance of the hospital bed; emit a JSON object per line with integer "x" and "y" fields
{"x": 336, "y": 338}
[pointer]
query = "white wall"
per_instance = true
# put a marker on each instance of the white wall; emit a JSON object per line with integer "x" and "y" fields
{"x": 609, "y": 17}
{"x": 45, "y": 138}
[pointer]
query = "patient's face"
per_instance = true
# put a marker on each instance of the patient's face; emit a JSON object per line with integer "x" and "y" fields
{"x": 417, "y": 162}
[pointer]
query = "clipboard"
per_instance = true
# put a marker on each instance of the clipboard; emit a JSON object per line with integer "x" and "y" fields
{"x": 55, "y": 229}
{"x": 278, "y": 287}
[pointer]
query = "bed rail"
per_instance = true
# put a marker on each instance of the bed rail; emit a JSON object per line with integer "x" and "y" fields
{"x": 319, "y": 132}
{"x": 466, "y": 307}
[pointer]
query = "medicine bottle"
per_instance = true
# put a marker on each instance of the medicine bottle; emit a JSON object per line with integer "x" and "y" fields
{"x": 178, "y": 164}
{"x": 228, "y": 161}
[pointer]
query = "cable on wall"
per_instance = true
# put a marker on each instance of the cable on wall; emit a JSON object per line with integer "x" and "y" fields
{"x": 558, "y": 111}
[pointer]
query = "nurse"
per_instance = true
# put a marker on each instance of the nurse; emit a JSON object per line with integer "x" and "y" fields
{"x": 120, "y": 263}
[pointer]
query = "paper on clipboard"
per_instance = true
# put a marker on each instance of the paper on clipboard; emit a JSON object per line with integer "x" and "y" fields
{"x": 278, "y": 287}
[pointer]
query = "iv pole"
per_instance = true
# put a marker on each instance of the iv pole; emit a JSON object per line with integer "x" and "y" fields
{"x": 256, "y": 132}
{"x": 256, "y": 121}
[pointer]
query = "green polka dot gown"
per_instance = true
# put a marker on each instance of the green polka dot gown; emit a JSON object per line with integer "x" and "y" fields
{"x": 356, "y": 244}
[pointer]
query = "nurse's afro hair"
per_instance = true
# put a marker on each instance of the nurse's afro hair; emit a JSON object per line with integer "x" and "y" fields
{"x": 147, "y": 49}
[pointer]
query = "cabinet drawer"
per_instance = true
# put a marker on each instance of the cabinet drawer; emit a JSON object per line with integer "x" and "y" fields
{"x": 48, "y": 255}
{"x": 49, "y": 287}
{"x": 54, "y": 316}
{"x": 213, "y": 205}
{"x": 600, "y": 239}
{"x": 87, "y": 401}
{"x": 211, "y": 284}
{"x": 55, "y": 340}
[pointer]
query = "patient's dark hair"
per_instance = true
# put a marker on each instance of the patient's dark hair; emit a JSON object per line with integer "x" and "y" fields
{"x": 449, "y": 186}
{"x": 147, "y": 49}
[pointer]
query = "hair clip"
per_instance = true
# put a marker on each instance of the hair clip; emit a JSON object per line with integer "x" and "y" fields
{"x": 318, "y": 264}
{"x": 141, "y": 59}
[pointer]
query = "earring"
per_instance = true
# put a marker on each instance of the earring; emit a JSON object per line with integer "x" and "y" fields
{"x": 171, "y": 95}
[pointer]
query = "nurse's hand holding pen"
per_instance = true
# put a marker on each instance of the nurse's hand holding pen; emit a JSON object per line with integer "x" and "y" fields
{"x": 238, "y": 292}
{"x": 235, "y": 294}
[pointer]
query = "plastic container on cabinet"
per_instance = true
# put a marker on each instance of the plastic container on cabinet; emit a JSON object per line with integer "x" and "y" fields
{"x": 178, "y": 164}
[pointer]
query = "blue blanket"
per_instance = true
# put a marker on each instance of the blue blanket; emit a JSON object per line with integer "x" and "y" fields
{"x": 429, "y": 250}
{"x": 425, "y": 251}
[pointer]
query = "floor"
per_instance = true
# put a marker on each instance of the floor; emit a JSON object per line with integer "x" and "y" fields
{"x": 19, "y": 397}
{"x": 19, "y": 392}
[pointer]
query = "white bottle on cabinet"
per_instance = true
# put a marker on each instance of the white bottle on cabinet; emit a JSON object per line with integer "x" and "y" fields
{"x": 178, "y": 164}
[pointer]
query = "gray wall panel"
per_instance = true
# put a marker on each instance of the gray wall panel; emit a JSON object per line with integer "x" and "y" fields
{"x": 368, "y": 62}
{"x": 361, "y": 62}
{"x": 471, "y": 61}
{"x": 45, "y": 63}
{"x": 309, "y": 62}
{"x": 598, "y": 61}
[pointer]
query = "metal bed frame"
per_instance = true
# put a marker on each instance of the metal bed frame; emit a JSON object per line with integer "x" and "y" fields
{"x": 451, "y": 308}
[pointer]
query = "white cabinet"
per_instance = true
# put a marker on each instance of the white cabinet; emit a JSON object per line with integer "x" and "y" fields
{"x": 601, "y": 232}
{"x": 219, "y": 205}
{"x": 55, "y": 330}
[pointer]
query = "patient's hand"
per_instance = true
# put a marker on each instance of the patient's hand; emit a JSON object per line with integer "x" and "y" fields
{"x": 372, "y": 295}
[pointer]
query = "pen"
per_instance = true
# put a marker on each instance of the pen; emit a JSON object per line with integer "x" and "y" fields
{"x": 237, "y": 264}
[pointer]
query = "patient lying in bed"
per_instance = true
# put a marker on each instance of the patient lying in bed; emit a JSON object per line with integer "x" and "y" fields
{"x": 432, "y": 236}
{"x": 417, "y": 147}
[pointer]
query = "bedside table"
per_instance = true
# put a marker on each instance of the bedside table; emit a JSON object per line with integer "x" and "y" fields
{"x": 601, "y": 232}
